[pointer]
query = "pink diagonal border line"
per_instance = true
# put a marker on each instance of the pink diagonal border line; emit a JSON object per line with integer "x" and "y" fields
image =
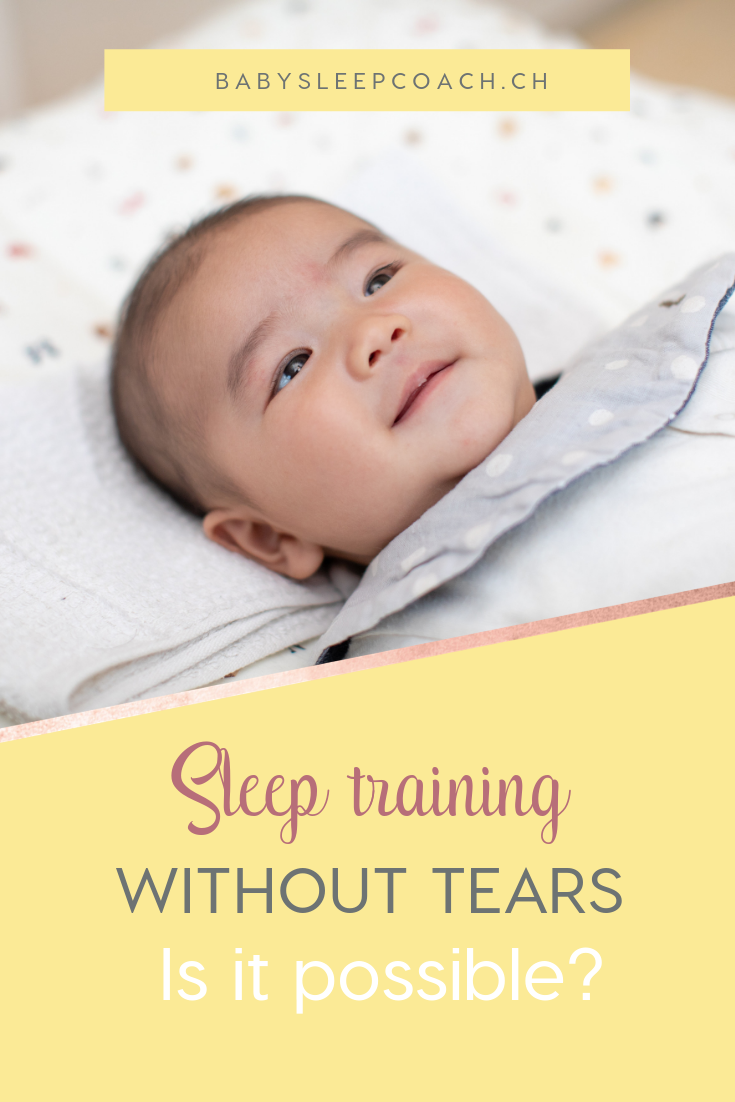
{"x": 371, "y": 661}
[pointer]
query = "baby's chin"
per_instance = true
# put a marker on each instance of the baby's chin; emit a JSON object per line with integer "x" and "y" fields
{"x": 362, "y": 547}
{"x": 363, "y": 550}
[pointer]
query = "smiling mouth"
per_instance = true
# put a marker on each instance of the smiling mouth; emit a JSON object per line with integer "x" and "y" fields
{"x": 419, "y": 389}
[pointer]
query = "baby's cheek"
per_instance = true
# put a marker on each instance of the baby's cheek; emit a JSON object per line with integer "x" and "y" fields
{"x": 310, "y": 450}
{"x": 323, "y": 423}
{"x": 316, "y": 274}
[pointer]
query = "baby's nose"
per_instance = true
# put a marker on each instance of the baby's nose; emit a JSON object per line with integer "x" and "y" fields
{"x": 378, "y": 352}
{"x": 373, "y": 339}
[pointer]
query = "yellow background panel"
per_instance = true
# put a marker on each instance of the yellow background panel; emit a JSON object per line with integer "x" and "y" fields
{"x": 349, "y": 80}
{"x": 634, "y": 716}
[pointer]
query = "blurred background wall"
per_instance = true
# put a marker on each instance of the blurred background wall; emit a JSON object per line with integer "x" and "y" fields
{"x": 50, "y": 47}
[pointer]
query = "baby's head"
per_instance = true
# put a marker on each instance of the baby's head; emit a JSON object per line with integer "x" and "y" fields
{"x": 306, "y": 384}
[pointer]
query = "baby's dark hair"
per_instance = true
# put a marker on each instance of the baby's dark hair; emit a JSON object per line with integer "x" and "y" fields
{"x": 169, "y": 443}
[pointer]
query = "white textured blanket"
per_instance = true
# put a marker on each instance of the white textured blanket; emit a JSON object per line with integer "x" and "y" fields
{"x": 109, "y": 591}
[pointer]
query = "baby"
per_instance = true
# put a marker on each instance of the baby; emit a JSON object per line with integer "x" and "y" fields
{"x": 306, "y": 384}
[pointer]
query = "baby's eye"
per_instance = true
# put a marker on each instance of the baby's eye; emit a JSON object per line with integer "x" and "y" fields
{"x": 377, "y": 281}
{"x": 291, "y": 370}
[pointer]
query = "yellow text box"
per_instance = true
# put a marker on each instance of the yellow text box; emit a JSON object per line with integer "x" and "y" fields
{"x": 633, "y": 717}
{"x": 367, "y": 80}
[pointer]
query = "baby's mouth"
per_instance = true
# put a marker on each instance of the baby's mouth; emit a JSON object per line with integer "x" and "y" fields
{"x": 417, "y": 384}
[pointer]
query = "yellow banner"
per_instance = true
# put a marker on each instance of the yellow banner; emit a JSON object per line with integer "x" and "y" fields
{"x": 367, "y": 80}
{"x": 500, "y": 871}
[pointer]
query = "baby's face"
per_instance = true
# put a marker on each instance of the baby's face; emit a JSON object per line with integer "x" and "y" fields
{"x": 344, "y": 382}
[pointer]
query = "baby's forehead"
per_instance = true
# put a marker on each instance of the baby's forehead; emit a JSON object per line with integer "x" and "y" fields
{"x": 247, "y": 271}
{"x": 299, "y": 228}
{"x": 260, "y": 260}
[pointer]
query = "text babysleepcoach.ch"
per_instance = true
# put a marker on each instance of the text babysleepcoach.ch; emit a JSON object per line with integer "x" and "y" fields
{"x": 367, "y": 80}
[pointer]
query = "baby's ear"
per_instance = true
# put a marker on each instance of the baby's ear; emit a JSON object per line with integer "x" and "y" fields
{"x": 242, "y": 531}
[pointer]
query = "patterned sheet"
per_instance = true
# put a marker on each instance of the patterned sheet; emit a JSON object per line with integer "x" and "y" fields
{"x": 614, "y": 206}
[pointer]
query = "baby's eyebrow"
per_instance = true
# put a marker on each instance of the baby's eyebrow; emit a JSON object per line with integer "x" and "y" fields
{"x": 368, "y": 236}
{"x": 239, "y": 362}
{"x": 241, "y": 357}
